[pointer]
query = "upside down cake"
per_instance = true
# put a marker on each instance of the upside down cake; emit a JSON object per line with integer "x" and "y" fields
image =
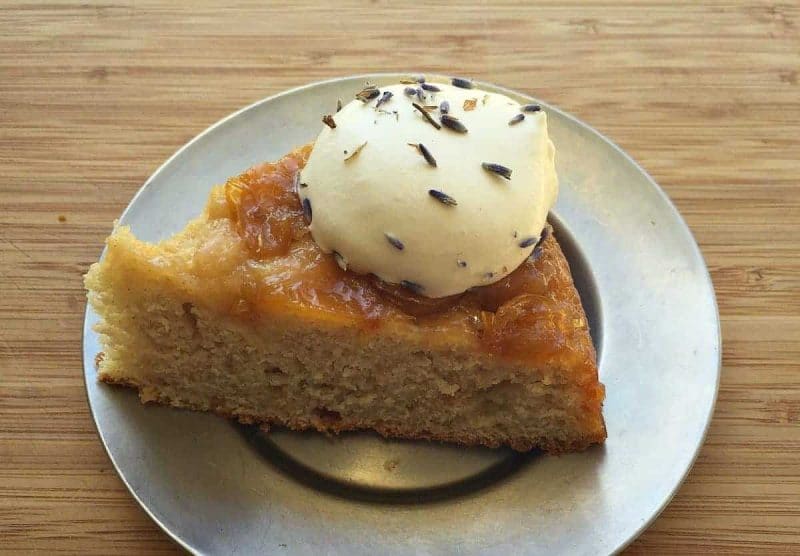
{"x": 341, "y": 310}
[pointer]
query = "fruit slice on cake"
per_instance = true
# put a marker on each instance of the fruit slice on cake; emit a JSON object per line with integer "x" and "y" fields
{"x": 398, "y": 275}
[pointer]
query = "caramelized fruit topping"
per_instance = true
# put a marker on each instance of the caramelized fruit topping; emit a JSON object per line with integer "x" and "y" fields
{"x": 264, "y": 205}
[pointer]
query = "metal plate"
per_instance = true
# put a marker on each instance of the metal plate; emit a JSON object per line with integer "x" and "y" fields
{"x": 220, "y": 488}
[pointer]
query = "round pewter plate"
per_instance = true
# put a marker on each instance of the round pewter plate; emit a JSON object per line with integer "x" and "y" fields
{"x": 220, "y": 488}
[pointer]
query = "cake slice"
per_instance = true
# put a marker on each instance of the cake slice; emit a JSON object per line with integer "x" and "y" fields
{"x": 398, "y": 275}
{"x": 208, "y": 320}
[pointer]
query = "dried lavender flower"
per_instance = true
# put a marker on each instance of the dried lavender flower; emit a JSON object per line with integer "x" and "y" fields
{"x": 386, "y": 97}
{"x": 453, "y": 123}
{"x": 462, "y": 83}
{"x": 395, "y": 242}
{"x": 443, "y": 198}
{"x": 426, "y": 154}
{"x": 413, "y": 286}
{"x": 498, "y": 169}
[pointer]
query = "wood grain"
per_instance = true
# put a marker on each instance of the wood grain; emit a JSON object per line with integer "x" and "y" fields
{"x": 93, "y": 97}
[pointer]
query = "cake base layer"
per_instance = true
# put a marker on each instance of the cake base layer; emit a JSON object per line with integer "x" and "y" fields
{"x": 280, "y": 369}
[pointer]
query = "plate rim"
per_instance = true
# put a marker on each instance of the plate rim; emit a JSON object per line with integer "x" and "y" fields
{"x": 86, "y": 329}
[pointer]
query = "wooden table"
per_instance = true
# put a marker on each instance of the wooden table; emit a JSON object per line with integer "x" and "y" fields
{"x": 94, "y": 97}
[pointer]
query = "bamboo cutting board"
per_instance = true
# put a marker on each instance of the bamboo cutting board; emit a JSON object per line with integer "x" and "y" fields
{"x": 93, "y": 97}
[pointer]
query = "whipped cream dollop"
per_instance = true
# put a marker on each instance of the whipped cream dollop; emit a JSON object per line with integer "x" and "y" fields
{"x": 439, "y": 201}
